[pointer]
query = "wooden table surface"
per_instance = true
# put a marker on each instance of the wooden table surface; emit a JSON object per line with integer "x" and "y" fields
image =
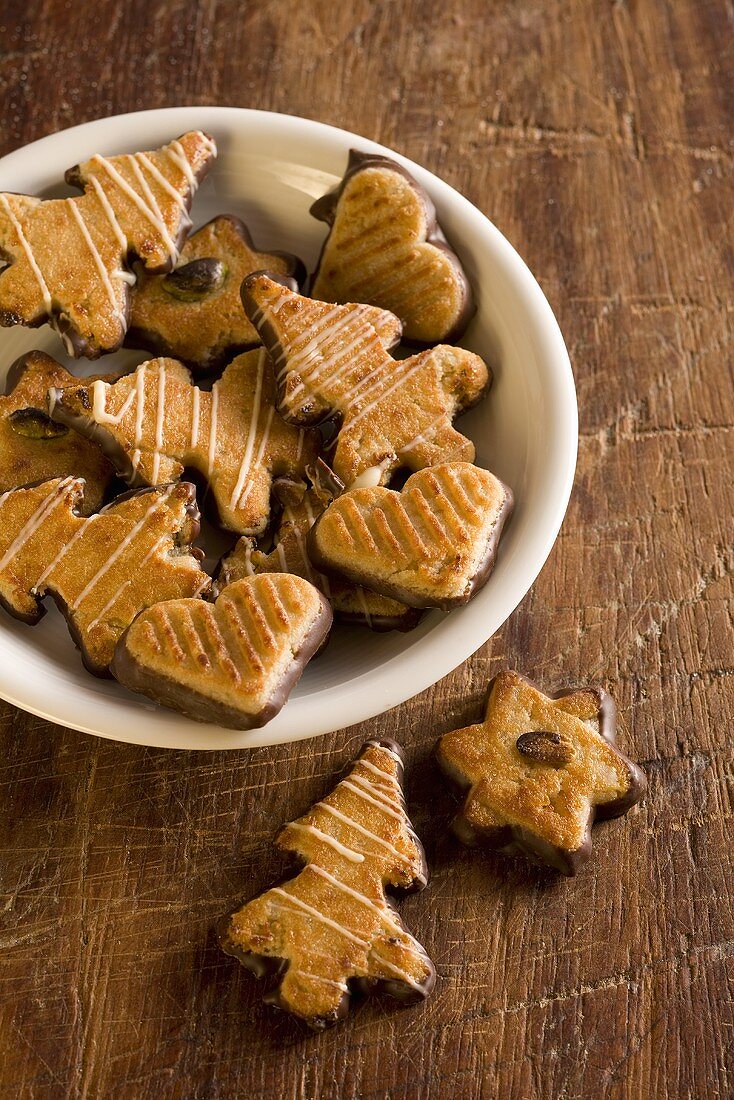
{"x": 598, "y": 136}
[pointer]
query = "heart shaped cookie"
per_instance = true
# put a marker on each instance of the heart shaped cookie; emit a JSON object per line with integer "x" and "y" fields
{"x": 386, "y": 248}
{"x": 233, "y": 662}
{"x": 431, "y": 545}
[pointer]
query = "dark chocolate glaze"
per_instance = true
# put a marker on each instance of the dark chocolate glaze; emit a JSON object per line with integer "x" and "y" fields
{"x": 319, "y": 557}
{"x": 202, "y": 708}
{"x": 274, "y": 967}
{"x": 61, "y": 321}
{"x": 154, "y": 342}
{"x": 513, "y": 839}
{"x": 324, "y": 209}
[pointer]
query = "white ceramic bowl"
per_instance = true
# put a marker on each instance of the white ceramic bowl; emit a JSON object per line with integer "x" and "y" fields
{"x": 270, "y": 169}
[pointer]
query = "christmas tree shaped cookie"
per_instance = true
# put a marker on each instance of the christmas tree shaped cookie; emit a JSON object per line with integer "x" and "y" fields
{"x": 69, "y": 260}
{"x": 539, "y": 770}
{"x": 331, "y": 361}
{"x": 102, "y": 570}
{"x": 330, "y": 930}
{"x": 155, "y": 422}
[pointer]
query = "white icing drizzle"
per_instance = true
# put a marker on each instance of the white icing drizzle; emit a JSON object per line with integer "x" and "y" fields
{"x": 423, "y": 437}
{"x": 139, "y": 408}
{"x": 99, "y": 404}
{"x": 348, "y": 853}
{"x": 299, "y": 447}
{"x": 161, "y": 180}
{"x": 176, "y": 153}
{"x": 153, "y": 204}
{"x": 380, "y": 771}
{"x": 73, "y": 205}
{"x": 132, "y": 534}
{"x": 111, "y": 217}
{"x": 370, "y": 798}
{"x": 251, "y": 432}
{"x": 388, "y": 750}
{"x": 320, "y": 978}
{"x": 382, "y": 913}
{"x": 280, "y": 301}
{"x": 149, "y": 214}
{"x": 261, "y": 451}
{"x": 402, "y": 974}
{"x": 319, "y": 916}
{"x": 365, "y": 832}
{"x": 25, "y": 245}
{"x": 62, "y": 552}
{"x": 195, "y": 413}
{"x": 161, "y": 404}
{"x": 386, "y": 393}
{"x": 212, "y": 453}
{"x": 112, "y": 600}
{"x": 29, "y": 528}
{"x": 115, "y": 597}
{"x": 125, "y": 276}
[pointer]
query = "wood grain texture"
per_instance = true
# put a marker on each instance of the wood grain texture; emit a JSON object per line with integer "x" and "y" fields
{"x": 598, "y": 136}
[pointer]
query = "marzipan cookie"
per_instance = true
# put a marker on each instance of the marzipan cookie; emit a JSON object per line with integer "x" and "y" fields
{"x": 385, "y": 247}
{"x": 69, "y": 259}
{"x": 233, "y": 662}
{"x": 431, "y": 545}
{"x": 103, "y": 570}
{"x": 33, "y": 447}
{"x": 331, "y": 362}
{"x": 155, "y": 422}
{"x": 350, "y": 602}
{"x": 195, "y": 313}
{"x": 331, "y": 931}
{"x": 539, "y": 770}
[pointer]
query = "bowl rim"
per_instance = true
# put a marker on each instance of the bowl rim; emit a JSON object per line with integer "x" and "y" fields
{"x": 412, "y": 670}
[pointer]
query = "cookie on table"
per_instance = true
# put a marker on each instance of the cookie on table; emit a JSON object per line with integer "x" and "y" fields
{"x": 35, "y": 448}
{"x": 233, "y": 662}
{"x": 331, "y": 362}
{"x": 433, "y": 544}
{"x": 69, "y": 260}
{"x": 195, "y": 313}
{"x": 331, "y": 930}
{"x": 101, "y": 570}
{"x": 539, "y": 770}
{"x": 385, "y": 247}
{"x": 155, "y": 422}
{"x": 351, "y": 603}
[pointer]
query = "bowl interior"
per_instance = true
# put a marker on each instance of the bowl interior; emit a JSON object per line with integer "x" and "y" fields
{"x": 270, "y": 168}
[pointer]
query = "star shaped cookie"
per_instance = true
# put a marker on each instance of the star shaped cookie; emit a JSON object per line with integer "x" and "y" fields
{"x": 194, "y": 313}
{"x": 539, "y": 770}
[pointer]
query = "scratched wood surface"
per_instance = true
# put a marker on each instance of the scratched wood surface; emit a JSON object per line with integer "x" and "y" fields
{"x": 598, "y": 136}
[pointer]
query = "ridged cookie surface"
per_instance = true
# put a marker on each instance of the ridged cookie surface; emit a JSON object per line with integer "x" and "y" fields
{"x": 431, "y": 545}
{"x": 233, "y": 662}
{"x": 385, "y": 247}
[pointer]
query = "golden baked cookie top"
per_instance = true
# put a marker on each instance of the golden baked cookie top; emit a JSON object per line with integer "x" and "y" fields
{"x": 539, "y": 769}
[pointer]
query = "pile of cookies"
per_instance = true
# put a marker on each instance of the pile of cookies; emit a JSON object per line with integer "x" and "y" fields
{"x": 303, "y": 419}
{"x": 285, "y": 415}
